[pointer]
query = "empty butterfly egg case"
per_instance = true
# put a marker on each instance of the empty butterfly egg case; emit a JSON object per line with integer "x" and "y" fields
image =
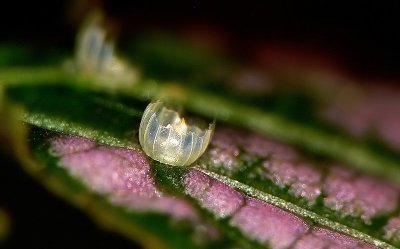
{"x": 167, "y": 138}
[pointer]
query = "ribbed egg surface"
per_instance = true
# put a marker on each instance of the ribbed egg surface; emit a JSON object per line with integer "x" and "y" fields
{"x": 167, "y": 138}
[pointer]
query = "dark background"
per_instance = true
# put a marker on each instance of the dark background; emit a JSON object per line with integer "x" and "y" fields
{"x": 365, "y": 36}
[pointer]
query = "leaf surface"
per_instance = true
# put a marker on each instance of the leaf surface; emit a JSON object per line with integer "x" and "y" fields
{"x": 271, "y": 178}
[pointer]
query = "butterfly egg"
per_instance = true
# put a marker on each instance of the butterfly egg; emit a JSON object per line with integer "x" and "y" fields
{"x": 167, "y": 138}
{"x": 96, "y": 58}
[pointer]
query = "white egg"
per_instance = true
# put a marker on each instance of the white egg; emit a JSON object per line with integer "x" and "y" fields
{"x": 167, "y": 138}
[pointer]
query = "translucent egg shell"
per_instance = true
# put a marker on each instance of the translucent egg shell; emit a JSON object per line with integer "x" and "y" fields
{"x": 95, "y": 56}
{"x": 167, "y": 138}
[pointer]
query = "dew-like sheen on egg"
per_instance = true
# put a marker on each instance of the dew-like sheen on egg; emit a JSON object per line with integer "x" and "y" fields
{"x": 167, "y": 138}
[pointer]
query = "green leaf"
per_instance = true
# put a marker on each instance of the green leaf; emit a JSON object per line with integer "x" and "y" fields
{"x": 57, "y": 104}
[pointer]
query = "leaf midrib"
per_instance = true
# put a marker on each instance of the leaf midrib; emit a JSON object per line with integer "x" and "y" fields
{"x": 295, "y": 209}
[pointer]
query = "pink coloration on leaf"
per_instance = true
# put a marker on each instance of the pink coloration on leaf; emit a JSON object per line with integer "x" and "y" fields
{"x": 196, "y": 183}
{"x": 321, "y": 238}
{"x": 233, "y": 141}
{"x": 122, "y": 174}
{"x": 107, "y": 172}
{"x": 64, "y": 145}
{"x": 213, "y": 195}
{"x": 264, "y": 147}
{"x": 224, "y": 150}
{"x": 228, "y": 144}
{"x": 364, "y": 197}
{"x": 392, "y": 229}
{"x": 358, "y": 195}
{"x": 224, "y": 158}
{"x": 374, "y": 109}
{"x": 268, "y": 224}
{"x": 361, "y": 109}
{"x": 261, "y": 221}
{"x": 226, "y": 138}
{"x": 302, "y": 179}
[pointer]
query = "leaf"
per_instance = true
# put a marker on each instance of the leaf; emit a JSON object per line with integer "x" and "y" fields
{"x": 311, "y": 138}
{"x": 247, "y": 190}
